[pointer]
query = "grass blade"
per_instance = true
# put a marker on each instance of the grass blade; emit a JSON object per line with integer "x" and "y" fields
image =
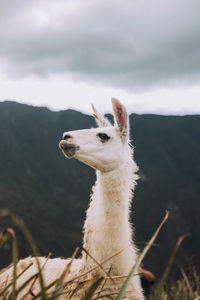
{"x": 159, "y": 289}
{"x": 187, "y": 284}
{"x": 92, "y": 289}
{"x": 46, "y": 289}
{"x": 19, "y": 222}
{"x": 5, "y": 234}
{"x": 10, "y": 284}
{"x": 26, "y": 283}
{"x": 59, "y": 287}
{"x": 140, "y": 258}
{"x": 15, "y": 260}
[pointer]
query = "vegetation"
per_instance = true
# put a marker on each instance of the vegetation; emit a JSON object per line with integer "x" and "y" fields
{"x": 50, "y": 193}
{"x": 186, "y": 288}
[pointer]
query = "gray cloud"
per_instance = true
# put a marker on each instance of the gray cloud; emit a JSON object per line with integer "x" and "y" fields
{"x": 129, "y": 44}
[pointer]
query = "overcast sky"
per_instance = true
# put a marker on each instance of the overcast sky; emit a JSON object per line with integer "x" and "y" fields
{"x": 70, "y": 53}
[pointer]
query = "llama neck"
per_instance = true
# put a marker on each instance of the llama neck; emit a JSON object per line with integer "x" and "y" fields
{"x": 107, "y": 228}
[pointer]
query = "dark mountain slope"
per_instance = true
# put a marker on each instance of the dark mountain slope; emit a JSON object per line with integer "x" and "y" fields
{"x": 51, "y": 193}
{"x": 167, "y": 150}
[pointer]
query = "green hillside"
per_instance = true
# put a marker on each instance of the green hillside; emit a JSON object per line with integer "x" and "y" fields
{"x": 51, "y": 193}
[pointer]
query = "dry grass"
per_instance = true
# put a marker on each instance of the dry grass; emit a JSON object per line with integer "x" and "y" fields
{"x": 186, "y": 288}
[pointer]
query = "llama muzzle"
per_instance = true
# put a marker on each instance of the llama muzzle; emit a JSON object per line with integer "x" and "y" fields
{"x": 68, "y": 149}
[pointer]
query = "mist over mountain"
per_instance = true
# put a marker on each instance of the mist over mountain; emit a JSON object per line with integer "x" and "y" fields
{"x": 51, "y": 193}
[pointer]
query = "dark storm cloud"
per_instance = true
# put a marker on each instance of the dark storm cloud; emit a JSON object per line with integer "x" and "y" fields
{"x": 130, "y": 44}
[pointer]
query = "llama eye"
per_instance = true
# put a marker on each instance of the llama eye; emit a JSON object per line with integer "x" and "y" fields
{"x": 104, "y": 137}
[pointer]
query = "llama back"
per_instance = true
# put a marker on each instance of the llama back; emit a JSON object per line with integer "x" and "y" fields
{"x": 52, "y": 269}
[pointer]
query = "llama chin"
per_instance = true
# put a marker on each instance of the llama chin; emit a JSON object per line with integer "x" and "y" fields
{"x": 108, "y": 247}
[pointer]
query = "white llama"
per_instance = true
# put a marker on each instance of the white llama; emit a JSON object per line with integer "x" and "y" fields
{"x": 108, "y": 249}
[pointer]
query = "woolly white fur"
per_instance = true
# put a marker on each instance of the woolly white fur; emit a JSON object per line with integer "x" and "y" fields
{"x": 107, "y": 230}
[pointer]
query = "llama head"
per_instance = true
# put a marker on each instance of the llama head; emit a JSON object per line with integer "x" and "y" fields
{"x": 103, "y": 148}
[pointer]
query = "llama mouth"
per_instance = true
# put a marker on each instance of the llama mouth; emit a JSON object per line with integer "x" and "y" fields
{"x": 68, "y": 150}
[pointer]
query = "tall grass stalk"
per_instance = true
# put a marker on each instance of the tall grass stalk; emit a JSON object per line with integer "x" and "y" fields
{"x": 158, "y": 291}
{"x": 19, "y": 222}
{"x": 4, "y": 236}
{"x": 140, "y": 258}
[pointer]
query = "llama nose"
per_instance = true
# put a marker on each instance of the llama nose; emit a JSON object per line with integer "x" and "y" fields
{"x": 68, "y": 149}
{"x": 67, "y": 136}
{"x": 63, "y": 145}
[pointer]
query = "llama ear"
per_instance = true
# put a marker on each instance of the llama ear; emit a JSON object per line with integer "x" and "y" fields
{"x": 101, "y": 121}
{"x": 121, "y": 118}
